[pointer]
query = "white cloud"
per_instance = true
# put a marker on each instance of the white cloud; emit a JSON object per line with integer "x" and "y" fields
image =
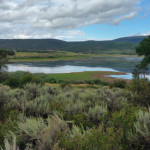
{"x": 142, "y": 34}
{"x": 60, "y": 18}
{"x": 125, "y": 17}
{"x": 145, "y": 34}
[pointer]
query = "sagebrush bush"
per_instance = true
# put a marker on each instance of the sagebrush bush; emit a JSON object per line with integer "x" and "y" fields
{"x": 140, "y": 135}
{"x": 4, "y": 98}
{"x": 30, "y": 128}
{"x": 94, "y": 119}
{"x": 141, "y": 92}
{"x": 75, "y": 108}
{"x": 11, "y": 144}
{"x": 91, "y": 139}
{"x": 43, "y": 132}
{"x": 97, "y": 113}
{"x": 64, "y": 84}
{"x": 32, "y": 90}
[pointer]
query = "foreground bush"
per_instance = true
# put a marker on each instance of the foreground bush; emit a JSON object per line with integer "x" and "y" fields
{"x": 119, "y": 84}
{"x": 93, "y": 139}
{"x": 37, "y": 133}
{"x": 38, "y": 117}
{"x": 140, "y": 135}
{"x": 18, "y": 80}
{"x": 141, "y": 92}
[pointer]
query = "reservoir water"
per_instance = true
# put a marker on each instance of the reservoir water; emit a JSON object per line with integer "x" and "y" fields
{"x": 114, "y": 64}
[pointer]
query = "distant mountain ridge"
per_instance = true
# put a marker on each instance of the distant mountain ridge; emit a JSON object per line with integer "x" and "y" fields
{"x": 135, "y": 39}
{"x": 125, "y": 45}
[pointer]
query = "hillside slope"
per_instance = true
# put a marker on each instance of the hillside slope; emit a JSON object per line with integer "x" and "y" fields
{"x": 124, "y": 45}
{"x": 135, "y": 39}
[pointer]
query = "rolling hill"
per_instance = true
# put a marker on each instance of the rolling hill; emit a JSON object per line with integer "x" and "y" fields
{"x": 135, "y": 39}
{"x": 124, "y": 45}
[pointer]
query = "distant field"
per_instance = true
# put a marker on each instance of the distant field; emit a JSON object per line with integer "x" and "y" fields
{"x": 51, "y": 56}
{"x": 57, "y": 55}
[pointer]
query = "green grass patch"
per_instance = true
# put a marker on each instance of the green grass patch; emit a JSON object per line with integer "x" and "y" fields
{"x": 57, "y": 55}
{"x": 81, "y": 76}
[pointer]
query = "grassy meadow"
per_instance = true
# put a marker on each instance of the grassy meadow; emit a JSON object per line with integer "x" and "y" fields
{"x": 50, "y": 56}
{"x": 81, "y": 76}
{"x": 56, "y": 55}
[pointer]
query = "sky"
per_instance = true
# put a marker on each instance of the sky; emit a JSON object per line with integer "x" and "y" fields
{"x": 74, "y": 20}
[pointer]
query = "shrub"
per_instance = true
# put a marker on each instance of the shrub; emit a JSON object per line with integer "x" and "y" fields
{"x": 91, "y": 139}
{"x": 31, "y": 128}
{"x": 32, "y": 90}
{"x": 64, "y": 84}
{"x": 48, "y": 138}
{"x": 8, "y": 123}
{"x": 13, "y": 81}
{"x": 89, "y": 82}
{"x": 29, "y": 78}
{"x": 140, "y": 89}
{"x": 113, "y": 98}
{"x": 140, "y": 135}
{"x": 11, "y": 144}
{"x": 19, "y": 80}
{"x": 97, "y": 81}
{"x": 94, "y": 118}
{"x": 37, "y": 80}
{"x": 50, "y": 80}
{"x": 18, "y": 94}
{"x": 4, "y": 98}
{"x": 26, "y": 78}
{"x": 37, "y": 107}
{"x": 119, "y": 84}
{"x": 3, "y": 77}
{"x": 60, "y": 81}
{"x": 43, "y": 132}
{"x": 97, "y": 113}
{"x": 75, "y": 108}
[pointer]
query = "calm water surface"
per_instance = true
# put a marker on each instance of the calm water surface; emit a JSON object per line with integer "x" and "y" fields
{"x": 115, "y": 64}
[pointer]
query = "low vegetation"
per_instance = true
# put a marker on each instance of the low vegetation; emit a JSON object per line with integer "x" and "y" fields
{"x": 50, "y": 55}
{"x": 42, "y": 117}
{"x": 19, "y": 79}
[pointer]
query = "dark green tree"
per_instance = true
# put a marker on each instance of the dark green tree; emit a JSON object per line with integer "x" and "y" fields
{"x": 143, "y": 49}
{"x": 140, "y": 71}
{"x": 3, "y": 59}
{"x": 3, "y": 62}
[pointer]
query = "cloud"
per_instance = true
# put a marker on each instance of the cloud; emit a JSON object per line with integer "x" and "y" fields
{"x": 125, "y": 17}
{"x": 146, "y": 34}
{"x": 141, "y": 34}
{"x": 54, "y": 18}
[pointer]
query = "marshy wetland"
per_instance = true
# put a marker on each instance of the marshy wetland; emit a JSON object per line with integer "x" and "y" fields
{"x": 105, "y": 63}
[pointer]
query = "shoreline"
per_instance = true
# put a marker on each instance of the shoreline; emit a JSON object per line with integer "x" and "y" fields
{"x": 37, "y": 59}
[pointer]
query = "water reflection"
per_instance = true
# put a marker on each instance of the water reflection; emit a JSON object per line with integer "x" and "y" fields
{"x": 128, "y": 76}
{"x": 57, "y": 69}
{"x": 115, "y": 64}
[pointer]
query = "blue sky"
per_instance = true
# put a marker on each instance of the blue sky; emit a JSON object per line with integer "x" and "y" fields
{"x": 74, "y": 20}
{"x": 139, "y": 25}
